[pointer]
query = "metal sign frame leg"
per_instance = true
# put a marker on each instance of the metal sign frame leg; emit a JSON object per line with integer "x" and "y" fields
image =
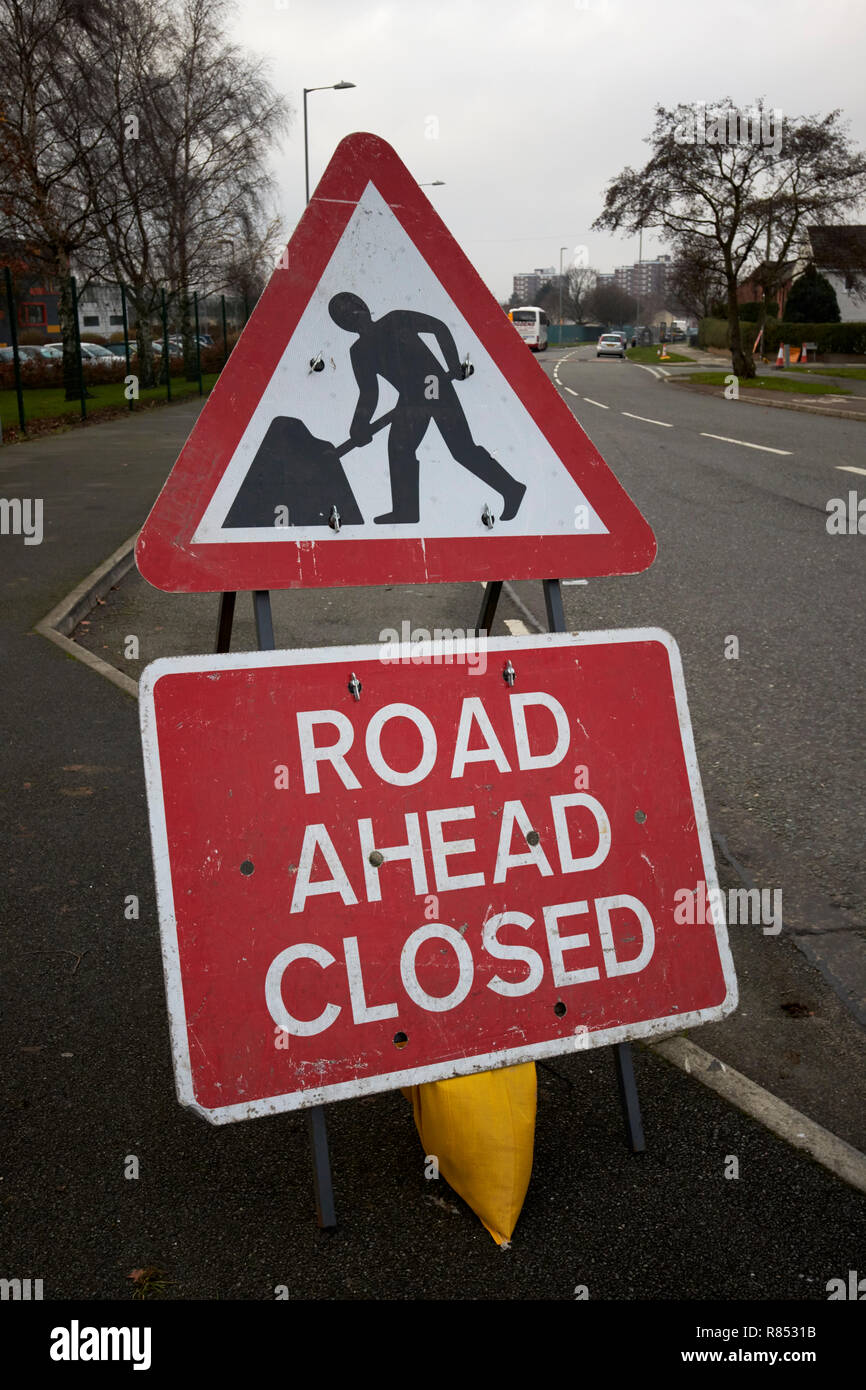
{"x": 626, "y": 1084}
{"x": 317, "y": 1126}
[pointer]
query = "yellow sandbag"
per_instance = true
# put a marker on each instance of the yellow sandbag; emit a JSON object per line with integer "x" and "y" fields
{"x": 481, "y": 1129}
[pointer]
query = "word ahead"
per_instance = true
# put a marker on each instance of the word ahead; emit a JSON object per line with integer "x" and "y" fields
{"x": 371, "y": 875}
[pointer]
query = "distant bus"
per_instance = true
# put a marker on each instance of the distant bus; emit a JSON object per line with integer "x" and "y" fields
{"x": 531, "y": 323}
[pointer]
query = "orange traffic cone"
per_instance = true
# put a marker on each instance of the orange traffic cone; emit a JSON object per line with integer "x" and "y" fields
{"x": 780, "y": 360}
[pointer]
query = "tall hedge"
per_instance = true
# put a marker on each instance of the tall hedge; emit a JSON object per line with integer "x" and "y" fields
{"x": 830, "y": 337}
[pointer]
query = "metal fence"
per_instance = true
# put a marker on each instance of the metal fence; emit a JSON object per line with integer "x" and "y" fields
{"x": 166, "y": 349}
{"x": 573, "y": 333}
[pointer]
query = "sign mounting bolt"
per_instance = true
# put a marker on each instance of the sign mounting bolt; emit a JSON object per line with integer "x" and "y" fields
{"x": 317, "y": 363}
{"x": 508, "y": 673}
{"x": 466, "y": 367}
{"x": 487, "y": 517}
{"x": 355, "y": 686}
{"x": 334, "y": 519}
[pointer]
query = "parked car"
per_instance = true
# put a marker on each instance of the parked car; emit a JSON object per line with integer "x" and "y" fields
{"x": 204, "y": 340}
{"x": 95, "y": 352}
{"x": 610, "y": 345}
{"x": 26, "y": 353}
{"x": 52, "y": 352}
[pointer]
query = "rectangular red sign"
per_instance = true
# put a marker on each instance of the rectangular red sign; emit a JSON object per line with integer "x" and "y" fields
{"x": 378, "y": 866}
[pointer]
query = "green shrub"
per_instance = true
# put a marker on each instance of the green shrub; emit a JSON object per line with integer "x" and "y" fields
{"x": 830, "y": 337}
{"x": 812, "y": 299}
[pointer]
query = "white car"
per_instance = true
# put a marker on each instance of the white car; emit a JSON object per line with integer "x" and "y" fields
{"x": 610, "y": 345}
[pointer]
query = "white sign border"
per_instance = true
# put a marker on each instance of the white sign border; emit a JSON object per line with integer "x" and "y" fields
{"x": 581, "y": 1040}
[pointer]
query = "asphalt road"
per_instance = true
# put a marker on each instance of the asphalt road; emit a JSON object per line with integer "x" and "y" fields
{"x": 227, "y": 1213}
{"x": 744, "y": 551}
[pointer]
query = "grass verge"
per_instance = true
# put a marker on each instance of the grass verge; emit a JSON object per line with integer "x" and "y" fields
{"x": 853, "y": 373}
{"x": 767, "y": 383}
{"x": 650, "y": 356}
{"x": 47, "y": 405}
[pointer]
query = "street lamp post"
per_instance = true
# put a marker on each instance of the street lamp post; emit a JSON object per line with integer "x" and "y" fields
{"x": 639, "y": 273}
{"x": 334, "y": 87}
{"x": 561, "y": 249}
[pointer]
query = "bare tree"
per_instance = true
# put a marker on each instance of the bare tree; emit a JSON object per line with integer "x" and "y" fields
{"x": 718, "y": 184}
{"x": 46, "y": 121}
{"x": 133, "y": 143}
{"x": 579, "y": 286}
{"x": 120, "y": 174}
{"x": 695, "y": 280}
{"x": 212, "y": 127}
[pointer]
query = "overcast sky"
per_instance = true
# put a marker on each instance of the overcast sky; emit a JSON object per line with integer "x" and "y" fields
{"x": 527, "y": 110}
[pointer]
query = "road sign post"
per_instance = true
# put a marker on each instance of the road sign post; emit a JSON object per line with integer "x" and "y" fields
{"x": 304, "y": 967}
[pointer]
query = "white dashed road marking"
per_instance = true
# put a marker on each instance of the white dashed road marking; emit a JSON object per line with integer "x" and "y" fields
{"x": 647, "y": 420}
{"x": 849, "y": 468}
{"x": 517, "y": 627}
{"x": 745, "y": 443}
{"x": 570, "y": 392}
{"x": 598, "y": 403}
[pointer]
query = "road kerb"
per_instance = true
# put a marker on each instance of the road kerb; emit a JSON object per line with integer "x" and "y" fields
{"x": 833, "y": 1153}
{"x": 68, "y": 613}
{"x": 772, "y": 405}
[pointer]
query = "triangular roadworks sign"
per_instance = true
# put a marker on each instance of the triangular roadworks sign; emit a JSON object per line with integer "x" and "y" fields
{"x": 381, "y": 421}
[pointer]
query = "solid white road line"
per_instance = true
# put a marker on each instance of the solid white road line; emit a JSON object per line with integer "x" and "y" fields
{"x": 647, "y": 420}
{"x": 651, "y": 370}
{"x": 575, "y": 581}
{"x": 849, "y": 468}
{"x": 782, "y": 1119}
{"x": 745, "y": 443}
{"x": 598, "y": 403}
